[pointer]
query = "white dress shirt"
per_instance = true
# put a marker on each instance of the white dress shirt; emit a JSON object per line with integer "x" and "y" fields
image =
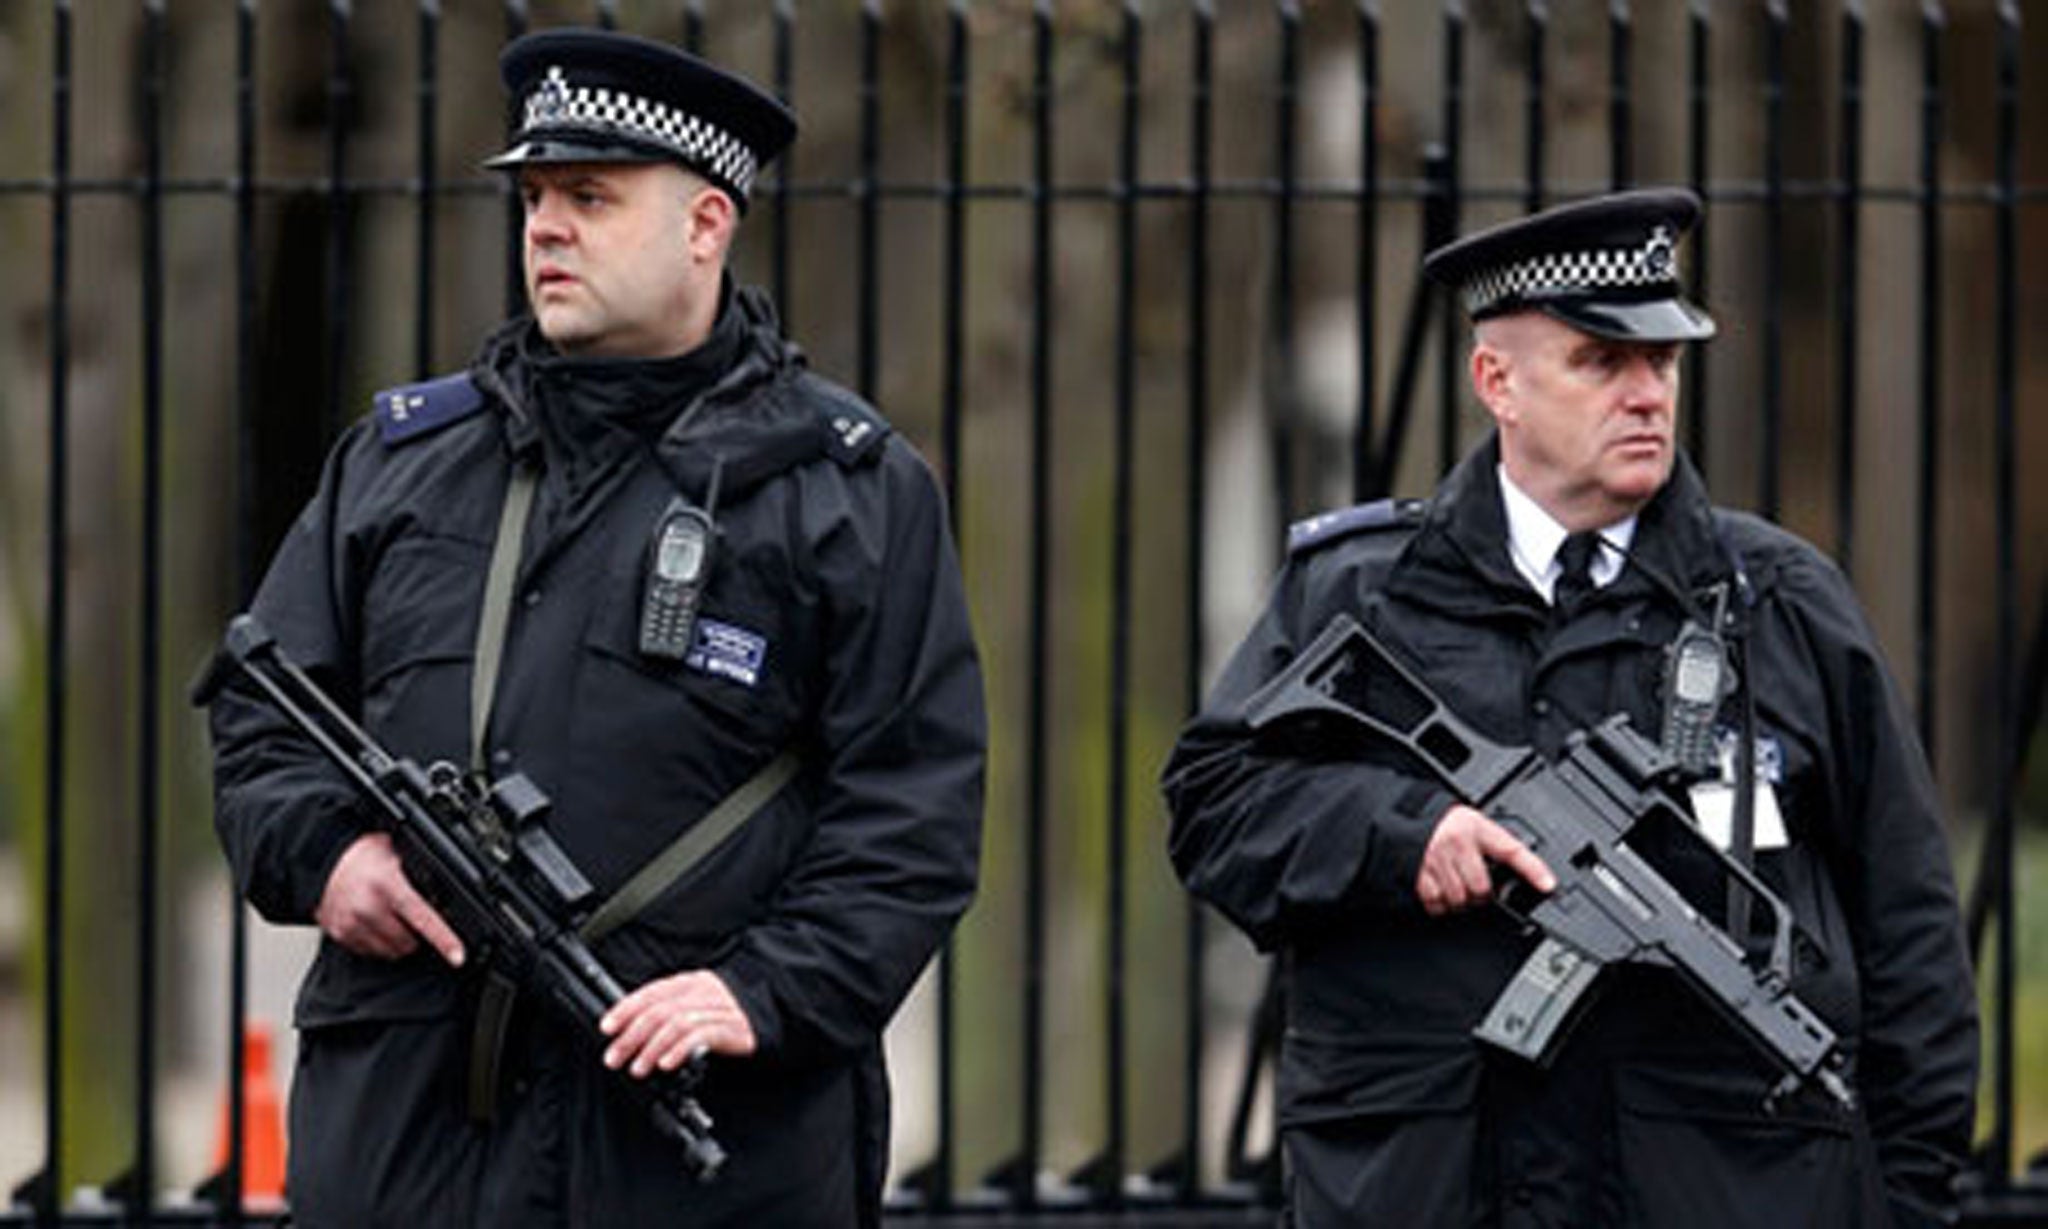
{"x": 1534, "y": 537}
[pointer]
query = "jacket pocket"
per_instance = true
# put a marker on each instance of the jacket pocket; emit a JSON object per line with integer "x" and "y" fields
{"x": 379, "y": 1133}
{"x": 1375, "y": 1072}
{"x": 1380, "y": 1129}
{"x": 343, "y": 987}
{"x": 733, "y": 682}
{"x": 419, "y": 637}
{"x": 1700, "y": 1148}
{"x": 421, "y": 605}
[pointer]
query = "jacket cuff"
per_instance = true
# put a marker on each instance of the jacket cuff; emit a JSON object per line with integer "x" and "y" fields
{"x": 749, "y": 981}
{"x": 315, "y": 849}
{"x": 1390, "y": 872}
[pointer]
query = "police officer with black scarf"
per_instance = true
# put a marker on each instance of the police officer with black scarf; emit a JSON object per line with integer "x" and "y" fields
{"x": 713, "y": 570}
{"x": 1560, "y": 575}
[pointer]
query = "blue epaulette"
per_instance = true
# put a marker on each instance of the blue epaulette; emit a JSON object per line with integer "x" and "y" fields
{"x": 1307, "y": 535}
{"x": 413, "y": 410}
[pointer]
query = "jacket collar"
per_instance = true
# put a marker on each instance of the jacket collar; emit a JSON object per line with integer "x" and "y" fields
{"x": 1464, "y": 539}
{"x": 1677, "y": 533}
{"x": 747, "y": 345}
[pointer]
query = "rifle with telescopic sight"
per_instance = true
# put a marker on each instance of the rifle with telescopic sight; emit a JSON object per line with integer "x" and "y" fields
{"x": 481, "y": 853}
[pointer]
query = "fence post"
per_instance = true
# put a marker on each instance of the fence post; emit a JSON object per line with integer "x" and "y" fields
{"x": 45, "y": 1190}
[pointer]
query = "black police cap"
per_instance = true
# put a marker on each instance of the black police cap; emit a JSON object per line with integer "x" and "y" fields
{"x": 595, "y": 96}
{"x": 1607, "y": 266}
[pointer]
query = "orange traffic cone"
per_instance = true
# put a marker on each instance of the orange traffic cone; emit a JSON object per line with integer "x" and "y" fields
{"x": 262, "y": 1124}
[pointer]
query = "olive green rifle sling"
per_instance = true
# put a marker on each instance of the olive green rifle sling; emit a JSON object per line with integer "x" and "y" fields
{"x": 697, "y": 842}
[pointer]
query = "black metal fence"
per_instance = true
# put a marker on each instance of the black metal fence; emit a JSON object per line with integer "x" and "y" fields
{"x": 1139, "y": 279}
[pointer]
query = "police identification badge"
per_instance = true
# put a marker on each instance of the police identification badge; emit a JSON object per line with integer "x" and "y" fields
{"x": 1713, "y": 800}
{"x": 728, "y": 652}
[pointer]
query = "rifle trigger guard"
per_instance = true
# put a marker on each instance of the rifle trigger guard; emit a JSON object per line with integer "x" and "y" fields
{"x": 1518, "y": 899}
{"x": 1510, "y": 891}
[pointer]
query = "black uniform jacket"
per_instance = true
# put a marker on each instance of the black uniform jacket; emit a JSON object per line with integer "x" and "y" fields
{"x": 842, "y": 631}
{"x": 1654, "y": 1113}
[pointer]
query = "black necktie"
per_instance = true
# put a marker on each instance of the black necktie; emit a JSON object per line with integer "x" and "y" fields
{"x": 1575, "y": 557}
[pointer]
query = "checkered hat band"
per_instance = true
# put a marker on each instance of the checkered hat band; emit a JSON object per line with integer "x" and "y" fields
{"x": 557, "y": 105}
{"x": 1569, "y": 273}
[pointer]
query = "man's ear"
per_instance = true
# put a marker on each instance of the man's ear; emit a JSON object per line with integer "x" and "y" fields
{"x": 712, "y": 219}
{"x": 1491, "y": 369}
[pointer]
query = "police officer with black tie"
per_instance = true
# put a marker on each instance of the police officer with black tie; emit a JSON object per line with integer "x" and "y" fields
{"x": 1546, "y": 586}
{"x": 708, "y": 602}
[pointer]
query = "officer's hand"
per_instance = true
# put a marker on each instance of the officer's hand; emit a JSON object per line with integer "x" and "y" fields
{"x": 670, "y": 1018}
{"x": 1454, "y": 873}
{"x": 372, "y": 909}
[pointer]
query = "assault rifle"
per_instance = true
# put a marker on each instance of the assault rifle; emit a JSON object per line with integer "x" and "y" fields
{"x": 1611, "y": 904}
{"x": 483, "y": 856}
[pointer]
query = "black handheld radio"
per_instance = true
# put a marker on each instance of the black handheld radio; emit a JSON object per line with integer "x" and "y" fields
{"x": 679, "y": 560}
